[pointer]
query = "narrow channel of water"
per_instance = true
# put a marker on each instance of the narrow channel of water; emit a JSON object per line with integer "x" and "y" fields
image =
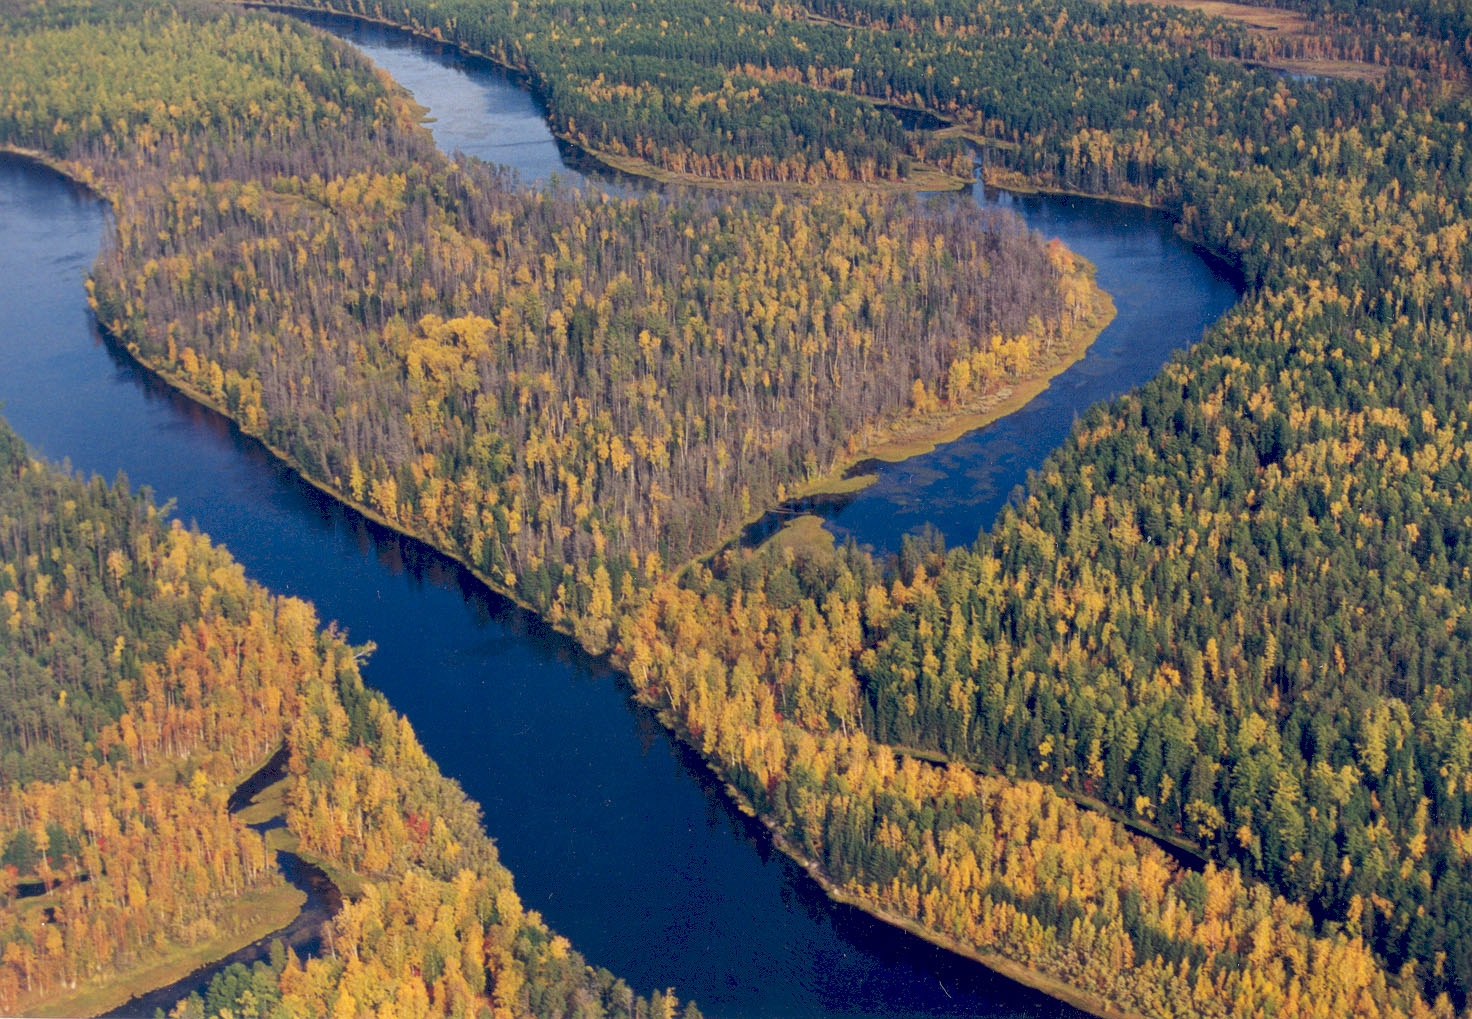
{"x": 474, "y": 105}
{"x": 1165, "y": 294}
{"x": 615, "y": 833}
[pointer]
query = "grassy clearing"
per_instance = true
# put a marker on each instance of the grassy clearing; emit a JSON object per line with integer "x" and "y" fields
{"x": 976, "y": 137}
{"x": 1274, "y": 21}
{"x": 269, "y": 803}
{"x": 250, "y": 917}
{"x": 803, "y": 533}
{"x": 1349, "y": 70}
{"x": 348, "y": 883}
{"x": 255, "y": 915}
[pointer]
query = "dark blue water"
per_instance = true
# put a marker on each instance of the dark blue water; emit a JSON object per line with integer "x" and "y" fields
{"x": 1165, "y": 295}
{"x": 617, "y": 835}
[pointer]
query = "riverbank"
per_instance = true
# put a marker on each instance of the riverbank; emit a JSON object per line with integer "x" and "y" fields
{"x": 915, "y": 435}
{"x": 318, "y": 895}
{"x": 78, "y": 176}
{"x": 255, "y": 917}
{"x": 258, "y": 914}
{"x": 926, "y": 179}
{"x": 75, "y": 175}
{"x": 1009, "y": 968}
{"x": 1018, "y": 183}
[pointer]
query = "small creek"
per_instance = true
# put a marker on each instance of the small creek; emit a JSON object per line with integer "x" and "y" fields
{"x": 303, "y": 935}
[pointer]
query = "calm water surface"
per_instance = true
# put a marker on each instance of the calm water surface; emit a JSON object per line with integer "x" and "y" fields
{"x": 474, "y": 106}
{"x": 1165, "y": 294}
{"x": 617, "y": 835}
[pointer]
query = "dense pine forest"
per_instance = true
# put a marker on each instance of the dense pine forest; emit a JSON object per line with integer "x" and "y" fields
{"x": 783, "y": 92}
{"x": 143, "y": 677}
{"x": 1230, "y": 612}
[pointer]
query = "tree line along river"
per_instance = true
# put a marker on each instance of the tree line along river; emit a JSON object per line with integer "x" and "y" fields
{"x": 618, "y": 835}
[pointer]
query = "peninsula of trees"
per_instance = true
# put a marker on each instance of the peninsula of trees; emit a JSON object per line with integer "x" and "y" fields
{"x": 566, "y": 390}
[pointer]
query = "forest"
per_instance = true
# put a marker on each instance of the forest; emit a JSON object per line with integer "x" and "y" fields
{"x": 210, "y": 222}
{"x": 807, "y": 92}
{"x": 567, "y": 389}
{"x": 162, "y": 677}
{"x": 1229, "y": 613}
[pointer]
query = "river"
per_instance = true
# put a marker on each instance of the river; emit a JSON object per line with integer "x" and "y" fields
{"x": 615, "y": 833}
{"x": 1165, "y": 295}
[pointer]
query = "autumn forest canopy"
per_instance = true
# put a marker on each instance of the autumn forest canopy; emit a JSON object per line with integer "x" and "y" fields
{"x": 1231, "y": 612}
{"x": 144, "y": 677}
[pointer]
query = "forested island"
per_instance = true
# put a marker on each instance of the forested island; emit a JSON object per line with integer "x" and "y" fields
{"x": 1229, "y": 615}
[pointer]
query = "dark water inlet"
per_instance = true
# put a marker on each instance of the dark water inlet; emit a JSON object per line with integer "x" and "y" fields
{"x": 303, "y": 934}
{"x": 618, "y": 835}
{"x": 268, "y": 774}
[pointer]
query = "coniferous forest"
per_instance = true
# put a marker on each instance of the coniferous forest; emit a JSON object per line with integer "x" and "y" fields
{"x": 1229, "y": 615}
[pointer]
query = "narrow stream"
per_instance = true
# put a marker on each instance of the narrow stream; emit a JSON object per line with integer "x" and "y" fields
{"x": 303, "y": 935}
{"x": 615, "y": 833}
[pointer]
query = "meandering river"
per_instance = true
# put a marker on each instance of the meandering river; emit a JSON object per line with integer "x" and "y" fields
{"x": 303, "y": 935}
{"x": 615, "y": 833}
